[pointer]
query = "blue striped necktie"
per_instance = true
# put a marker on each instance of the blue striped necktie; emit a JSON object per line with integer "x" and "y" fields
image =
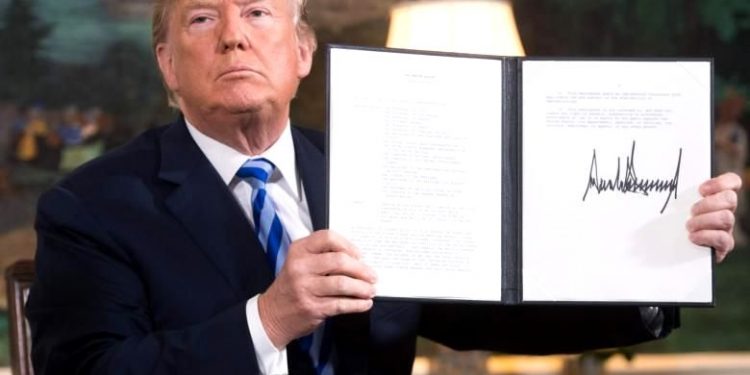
{"x": 268, "y": 228}
{"x": 275, "y": 240}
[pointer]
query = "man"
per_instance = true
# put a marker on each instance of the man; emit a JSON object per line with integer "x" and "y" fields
{"x": 148, "y": 261}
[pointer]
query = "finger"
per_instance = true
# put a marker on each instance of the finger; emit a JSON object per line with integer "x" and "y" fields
{"x": 333, "y": 263}
{"x": 720, "y": 220}
{"x": 324, "y": 241}
{"x": 719, "y": 240}
{"x": 727, "y": 181}
{"x": 720, "y": 256}
{"x": 337, "y": 306}
{"x": 342, "y": 286}
{"x": 723, "y": 200}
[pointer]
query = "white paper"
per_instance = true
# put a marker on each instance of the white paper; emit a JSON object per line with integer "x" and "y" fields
{"x": 415, "y": 161}
{"x": 615, "y": 245}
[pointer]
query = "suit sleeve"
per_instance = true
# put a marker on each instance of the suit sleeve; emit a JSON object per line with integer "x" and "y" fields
{"x": 89, "y": 313}
{"x": 539, "y": 329}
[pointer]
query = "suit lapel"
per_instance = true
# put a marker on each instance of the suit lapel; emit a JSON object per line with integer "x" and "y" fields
{"x": 312, "y": 166}
{"x": 211, "y": 215}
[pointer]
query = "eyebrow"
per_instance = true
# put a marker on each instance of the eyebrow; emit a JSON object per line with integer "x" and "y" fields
{"x": 246, "y": 2}
{"x": 197, "y": 4}
{"x": 194, "y": 4}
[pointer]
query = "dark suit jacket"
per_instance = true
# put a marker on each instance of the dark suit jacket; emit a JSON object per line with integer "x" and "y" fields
{"x": 145, "y": 262}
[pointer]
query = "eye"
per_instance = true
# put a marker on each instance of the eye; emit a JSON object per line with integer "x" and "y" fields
{"x": 201, "y": 17}
{"x": 199, "y": 20}
{"x": 257, "y": 13}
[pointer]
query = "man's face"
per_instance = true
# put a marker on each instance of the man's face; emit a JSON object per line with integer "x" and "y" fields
{"x": 233, "y": 56}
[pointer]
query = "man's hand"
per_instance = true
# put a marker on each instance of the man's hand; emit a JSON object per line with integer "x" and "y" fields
{"x": 322, "y": 276}
{"x": 712, "y": 222}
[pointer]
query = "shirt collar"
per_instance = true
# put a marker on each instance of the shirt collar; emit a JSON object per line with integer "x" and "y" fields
{"x": 227, "y": 161}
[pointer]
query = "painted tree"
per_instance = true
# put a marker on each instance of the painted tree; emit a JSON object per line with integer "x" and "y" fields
{"x": 21, "y": 38}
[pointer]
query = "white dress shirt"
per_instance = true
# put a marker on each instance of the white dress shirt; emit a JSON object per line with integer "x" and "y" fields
{"x": 285, "y": 189}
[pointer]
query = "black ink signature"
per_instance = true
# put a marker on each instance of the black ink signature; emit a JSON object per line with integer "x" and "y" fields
{"x": 631, "y": 183}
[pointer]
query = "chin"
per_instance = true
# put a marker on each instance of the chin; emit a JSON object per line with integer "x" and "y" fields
{"x": 237, "y": 108}
{"x": 244, "y": 101}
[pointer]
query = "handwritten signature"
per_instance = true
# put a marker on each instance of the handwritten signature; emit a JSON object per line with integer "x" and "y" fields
{"x": 631, "y": 183}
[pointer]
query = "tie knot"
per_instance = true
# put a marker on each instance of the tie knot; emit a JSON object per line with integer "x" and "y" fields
{"x": 256, "y": 171}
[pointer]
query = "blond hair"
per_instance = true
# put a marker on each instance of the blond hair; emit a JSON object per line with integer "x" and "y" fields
{"x": 160, "y": 25}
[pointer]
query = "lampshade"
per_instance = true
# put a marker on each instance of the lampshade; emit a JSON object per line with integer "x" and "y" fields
{"x": 467, "y": 26}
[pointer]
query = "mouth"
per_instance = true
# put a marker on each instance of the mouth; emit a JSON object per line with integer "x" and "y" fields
{"x": 238, "y": 72}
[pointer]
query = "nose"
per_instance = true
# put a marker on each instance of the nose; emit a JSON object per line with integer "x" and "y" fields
{"x": 233, "y": 34}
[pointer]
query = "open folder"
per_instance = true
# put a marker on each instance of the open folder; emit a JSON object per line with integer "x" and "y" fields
{"x": 521, "y": 180}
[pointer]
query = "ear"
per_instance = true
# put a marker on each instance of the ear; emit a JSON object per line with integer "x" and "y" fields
{"x": 166, "y": 65}
{"x": 305, "y": 51}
